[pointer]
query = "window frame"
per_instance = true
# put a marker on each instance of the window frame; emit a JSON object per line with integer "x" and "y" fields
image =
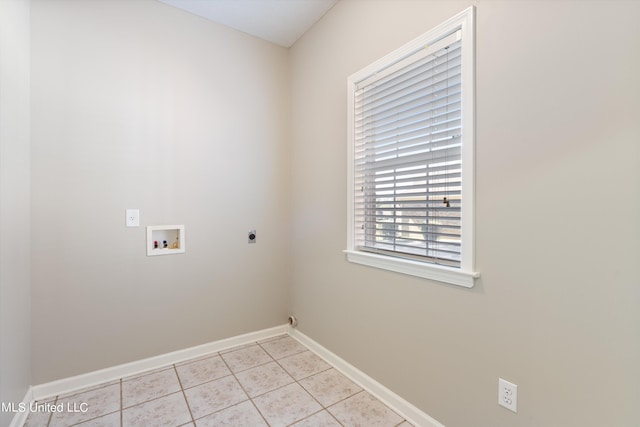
{"x": 465, "y": 274}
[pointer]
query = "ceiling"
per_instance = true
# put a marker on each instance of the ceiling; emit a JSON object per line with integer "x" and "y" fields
{"x": 279, "y": 21}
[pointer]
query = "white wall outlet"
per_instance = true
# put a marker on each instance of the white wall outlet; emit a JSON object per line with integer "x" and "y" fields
{"x": 508, "y": 395}
{"x": 133, "y": 217}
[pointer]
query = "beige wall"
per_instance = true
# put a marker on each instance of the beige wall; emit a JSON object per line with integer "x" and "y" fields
{"x": 137, "y": 104}
{"x": 15, "y": 347}
{"x": 15, "y": 375}
{"x": 558, "y": 170}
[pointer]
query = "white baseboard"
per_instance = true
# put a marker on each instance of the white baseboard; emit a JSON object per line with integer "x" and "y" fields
{"x": 90, "y": 379}
{"x": 20, "y": 417}
{"x": 405, "y": 409}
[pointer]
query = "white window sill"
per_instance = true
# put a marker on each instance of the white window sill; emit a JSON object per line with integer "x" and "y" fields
{"x": 436, "y": 272}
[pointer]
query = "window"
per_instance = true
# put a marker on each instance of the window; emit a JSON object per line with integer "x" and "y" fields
{"x": 411, "y": 157}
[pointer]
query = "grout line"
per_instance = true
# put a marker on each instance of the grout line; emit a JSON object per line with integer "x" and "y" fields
{"x": 150, "y": 400}
{"x": 244, "y": 390}
{"x": 269, "y": 391}
{"x": 184, "y": 395}
{"x": 154, "y": 397}
{"x": 273, "y": 360}
{"x": 297, "y": 381}
{"x": 256, "y": 366}
{"x": 55, "y": 401}
{"x": 121, "y": 405}
{"x": 274, "y": 338}
{"x": 307, "y": 417}
{"x": 259, "y": 412}
{"x": 205, "y": 382}
{"x": 334, "y": 417}
{"x": 304, "y": 348}
{"x": 317, "y": 373}
{"x": 251, "y": 367}
{"x": 310, "y": 375}
{"x": 89, "y": 419}
{"x": 316, "y": 413}
{"x": 236, "y": 378}
{"x": 366, "y": 383}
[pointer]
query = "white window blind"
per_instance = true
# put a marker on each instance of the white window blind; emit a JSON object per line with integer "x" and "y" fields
{"x": 407, "y": 133}
{"x": 411, "y": 154}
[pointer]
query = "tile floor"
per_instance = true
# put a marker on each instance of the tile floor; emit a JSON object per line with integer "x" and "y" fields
{"x": 276, "y": 382}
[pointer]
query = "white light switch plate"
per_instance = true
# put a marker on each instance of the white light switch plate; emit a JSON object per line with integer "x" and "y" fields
{"x": 133, "y": 218}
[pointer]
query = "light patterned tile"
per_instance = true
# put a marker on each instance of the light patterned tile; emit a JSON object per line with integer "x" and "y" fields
{"x": 283, "y": 347}
{"x": 242, "y": 414}
{"x": 195, "y": 359}
{"x": 277, "y": 337}
{"x": 111, "y": 420}
{"x": 144, "y": 373}
{"x": 148, "y": 387}
{"x": 286, "y": 405}
{"x": 329, "y": 387}
{"x": 213, "y": 396}
{"x": 87, "y": 389}
{"x": 263, "y": 378}
{"x": 39, "y": 414}
{"x": 239, "y": 347}
{"x": 167, "y": 411}
{"x": 303, "y": 364}
{"x": 201, "y": 371}
{"x": 246, "y": 357}
{"x": 321, "y": 419}
{"x": 94, "y": 403}
{"x": 363, "y": 409}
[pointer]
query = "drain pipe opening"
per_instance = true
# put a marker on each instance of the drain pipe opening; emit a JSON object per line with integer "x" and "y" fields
{"x": 293, "y": 322}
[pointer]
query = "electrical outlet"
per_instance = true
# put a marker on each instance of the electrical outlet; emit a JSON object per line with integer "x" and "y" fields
{"x": 133, "y": 217}
{"x": 251, "y": 238}
{"x": 508, "y": 395}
